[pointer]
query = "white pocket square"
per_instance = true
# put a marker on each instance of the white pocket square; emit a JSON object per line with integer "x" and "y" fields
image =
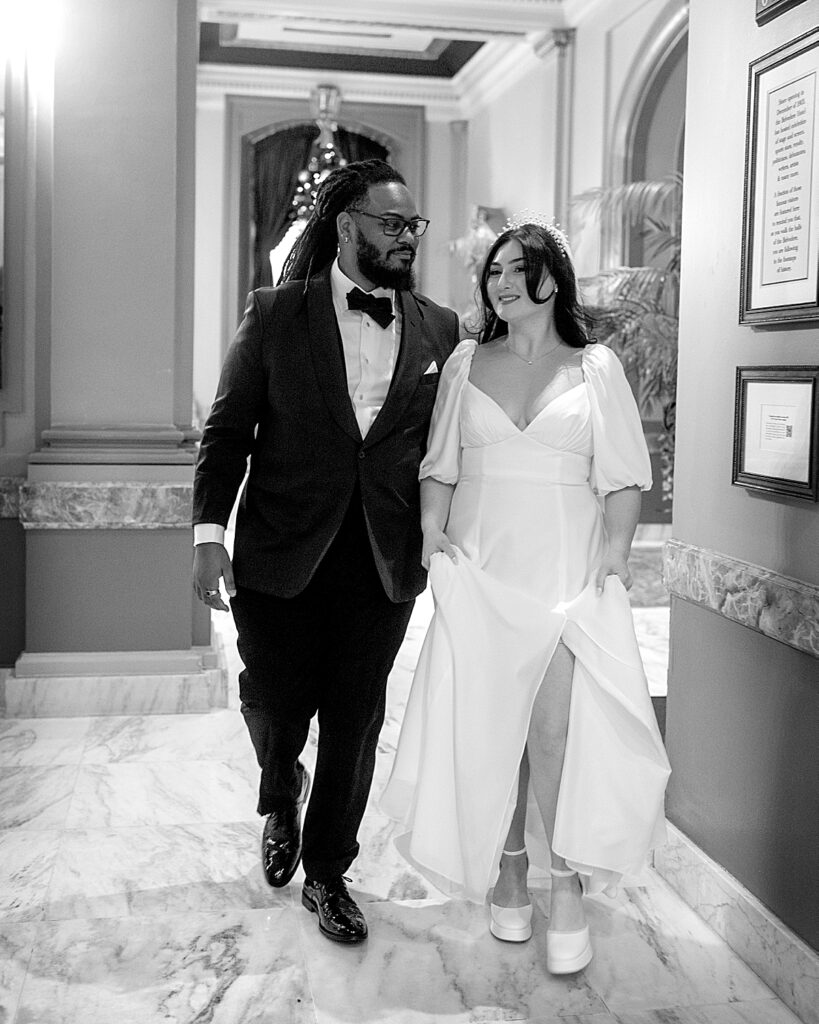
{"x": 432, "y": 368}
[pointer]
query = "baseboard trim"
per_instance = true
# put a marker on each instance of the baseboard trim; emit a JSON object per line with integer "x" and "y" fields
{"x": 781, "y": 959}
{"x": 34, "y": 665}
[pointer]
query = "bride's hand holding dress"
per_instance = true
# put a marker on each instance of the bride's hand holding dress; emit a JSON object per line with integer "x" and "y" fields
{"x": 436, "y": 498}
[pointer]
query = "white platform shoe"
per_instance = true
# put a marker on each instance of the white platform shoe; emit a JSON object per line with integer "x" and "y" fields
{"x": 511, "y": 924}
{"x": 567, "y": 952}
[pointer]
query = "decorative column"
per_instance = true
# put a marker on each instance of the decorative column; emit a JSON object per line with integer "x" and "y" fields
{"x": 461, "y": 291}
{"x": 106, "y": 502}
{"x": 563, "y": 40}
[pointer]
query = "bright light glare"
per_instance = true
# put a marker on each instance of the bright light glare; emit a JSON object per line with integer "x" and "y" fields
{"x": 29, "y": 28}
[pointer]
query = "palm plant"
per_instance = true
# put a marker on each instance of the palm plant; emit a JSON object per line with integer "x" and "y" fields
{"x": 636, "y": 309}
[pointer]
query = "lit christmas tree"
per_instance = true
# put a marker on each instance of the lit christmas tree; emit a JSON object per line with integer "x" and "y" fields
{"x": 325, "y": 102}
{"x": 324, "y": 156}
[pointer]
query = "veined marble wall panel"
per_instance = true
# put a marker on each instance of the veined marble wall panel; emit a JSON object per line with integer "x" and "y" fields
{"x": 10, "y": 496}
{"x": 782, "y": 608}
{"x": 57, "y": 505}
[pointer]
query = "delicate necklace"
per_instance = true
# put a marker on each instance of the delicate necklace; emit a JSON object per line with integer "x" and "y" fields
{"x": 523, "y": 359}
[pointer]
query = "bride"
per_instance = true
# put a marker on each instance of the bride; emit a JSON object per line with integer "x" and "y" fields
{"x": 530, "y": 678}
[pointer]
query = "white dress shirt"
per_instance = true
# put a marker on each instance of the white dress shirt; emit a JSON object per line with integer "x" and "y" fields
{"x": 370, "y": 354}
{"x": 370, "y": 351}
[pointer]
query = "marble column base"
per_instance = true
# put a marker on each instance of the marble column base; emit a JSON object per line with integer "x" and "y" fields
{"x": 780, "y": 958}
{"x": 133, "y": 688}
{"x": 32, "y": 665}
{"x": 71, "y": 696}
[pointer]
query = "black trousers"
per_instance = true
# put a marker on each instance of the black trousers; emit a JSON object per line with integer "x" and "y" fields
{"x": 326, "y": 651}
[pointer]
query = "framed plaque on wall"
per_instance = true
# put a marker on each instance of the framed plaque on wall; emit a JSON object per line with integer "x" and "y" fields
{"x": 768, "y": 9}
{"x": 776, "y": 430}
{"x": 780, "y": 230}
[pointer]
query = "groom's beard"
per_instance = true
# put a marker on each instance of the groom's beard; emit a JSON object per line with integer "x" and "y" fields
{"x": 383, "y": 274}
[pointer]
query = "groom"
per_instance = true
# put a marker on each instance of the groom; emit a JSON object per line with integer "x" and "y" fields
{"x": 328, "y": 387}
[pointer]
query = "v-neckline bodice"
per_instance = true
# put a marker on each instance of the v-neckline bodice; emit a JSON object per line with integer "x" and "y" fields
{"x": 538, "y": 414}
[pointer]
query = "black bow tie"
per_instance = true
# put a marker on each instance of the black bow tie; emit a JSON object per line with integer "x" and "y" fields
{"x": 380, "y": 309}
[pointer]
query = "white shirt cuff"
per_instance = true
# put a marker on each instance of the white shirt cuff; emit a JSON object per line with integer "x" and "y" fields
{"x": 208, "y": 533}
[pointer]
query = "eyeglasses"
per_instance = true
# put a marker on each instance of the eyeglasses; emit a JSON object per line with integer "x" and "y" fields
{"x": 395, "y": 226}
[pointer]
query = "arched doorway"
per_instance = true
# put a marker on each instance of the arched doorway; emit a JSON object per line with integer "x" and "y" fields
{"x": 648, "y": 132}
{"x": 273, "y": 157}
{"x": 647, "y": 146}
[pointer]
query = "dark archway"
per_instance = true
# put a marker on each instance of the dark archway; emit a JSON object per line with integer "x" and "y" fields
{"x": 272, "y": 158}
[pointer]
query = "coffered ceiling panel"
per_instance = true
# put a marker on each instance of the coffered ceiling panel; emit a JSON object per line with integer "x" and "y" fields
{"x": 382, "y": 52}
{"x": 430, "y": 38}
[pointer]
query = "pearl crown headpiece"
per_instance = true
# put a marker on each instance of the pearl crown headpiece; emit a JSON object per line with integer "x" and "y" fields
{"x": 559, "y": 236}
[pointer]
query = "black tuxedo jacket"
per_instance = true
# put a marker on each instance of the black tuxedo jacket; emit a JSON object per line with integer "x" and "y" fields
{"x": 283, "y": 400}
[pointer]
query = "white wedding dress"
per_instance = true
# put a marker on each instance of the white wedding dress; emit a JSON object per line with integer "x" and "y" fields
{"x": 528, "y": 526}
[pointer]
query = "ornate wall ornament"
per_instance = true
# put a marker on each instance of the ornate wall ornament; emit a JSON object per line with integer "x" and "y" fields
{"x": 10, "y": 496}
{"x": 53, "y": 505}
{"x": 782, "y": 608}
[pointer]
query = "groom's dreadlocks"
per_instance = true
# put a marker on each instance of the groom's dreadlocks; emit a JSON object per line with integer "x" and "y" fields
{"x": 341, "y": 190}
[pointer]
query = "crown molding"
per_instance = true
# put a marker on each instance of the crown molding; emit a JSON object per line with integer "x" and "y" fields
{"x": 481, "y": 18}
{"x": 493, "y": 70}
{"x": 517, "y": 34}
{"x": 438, "y": 98}
{"x": 575, "y": 11}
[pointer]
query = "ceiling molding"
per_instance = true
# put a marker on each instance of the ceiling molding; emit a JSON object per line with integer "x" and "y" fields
{"x": 495, "y": 68}
{"x": 518, "y": 34}
{"x": 437, "y": 96}
{"x": 486, "y": 19}
{"x": 576, "y": 11}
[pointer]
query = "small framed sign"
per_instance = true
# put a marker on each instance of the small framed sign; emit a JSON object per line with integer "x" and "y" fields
{"x": 768, "y": 9}
{"x": 776, "y": 430}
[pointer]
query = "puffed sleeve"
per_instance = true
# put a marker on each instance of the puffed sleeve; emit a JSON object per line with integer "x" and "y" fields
{"x": 621, "y": 456}
{"x": 443, "y": 458}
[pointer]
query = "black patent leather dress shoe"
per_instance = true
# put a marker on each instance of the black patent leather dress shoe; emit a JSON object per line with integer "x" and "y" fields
{"x": 281, "y": 840}
{"x": 338, "y": 916}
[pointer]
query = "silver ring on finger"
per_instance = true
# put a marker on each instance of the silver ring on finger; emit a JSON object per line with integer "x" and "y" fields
{"x": 211, "y": 593}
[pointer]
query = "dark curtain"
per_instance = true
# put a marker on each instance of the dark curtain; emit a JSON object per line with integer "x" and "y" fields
{"x": 358, "y": 147}
{"x": 277, "y": 160}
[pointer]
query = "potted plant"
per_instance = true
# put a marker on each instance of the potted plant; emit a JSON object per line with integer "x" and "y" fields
{"x": 637, "y": 308}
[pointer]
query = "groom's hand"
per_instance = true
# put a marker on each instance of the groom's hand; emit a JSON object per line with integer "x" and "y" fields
{"x": 211, "y": 563}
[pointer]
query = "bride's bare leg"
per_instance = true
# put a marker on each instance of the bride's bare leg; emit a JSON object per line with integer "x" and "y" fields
{"x": 510, "y": 888}
{"x": 546, "y": 747}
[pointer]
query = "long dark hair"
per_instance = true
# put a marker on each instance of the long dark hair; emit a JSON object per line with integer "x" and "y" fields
{"x": 341, "y": 190}
{"x": 541, "y": 253}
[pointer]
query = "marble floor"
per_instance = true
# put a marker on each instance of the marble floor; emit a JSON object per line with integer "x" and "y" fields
{"x": 131, "y": 893}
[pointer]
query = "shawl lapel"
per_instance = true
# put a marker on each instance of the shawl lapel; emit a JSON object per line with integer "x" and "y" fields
{"x": 326, "y": 352}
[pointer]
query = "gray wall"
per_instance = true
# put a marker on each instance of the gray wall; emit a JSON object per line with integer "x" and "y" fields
{"x": 742, "y": 730}
{"x": 743, "y": 710}
{"x": 12, "y": 591}
{"x": 119, "y": 580}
